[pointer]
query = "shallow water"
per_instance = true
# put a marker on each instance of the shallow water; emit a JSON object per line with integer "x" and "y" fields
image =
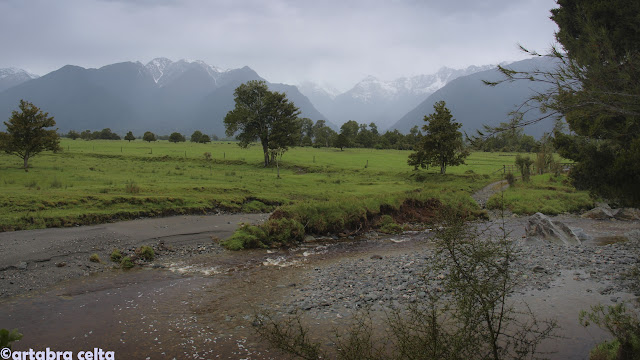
{"x": 201, "y": 307}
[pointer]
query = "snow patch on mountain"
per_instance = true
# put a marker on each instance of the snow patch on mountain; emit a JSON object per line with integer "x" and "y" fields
{"x": 13, "y": 72}
{"x": 164, "y": 70}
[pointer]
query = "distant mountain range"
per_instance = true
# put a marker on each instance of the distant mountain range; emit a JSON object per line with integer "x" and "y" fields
{"x": 382, "y": 102}
{"x": 162, "y": 96}
{"x": 473, "y": 104}
{"x": 165, "y": 96}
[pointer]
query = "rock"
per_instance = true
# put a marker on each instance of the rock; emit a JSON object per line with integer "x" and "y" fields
{"x": 541, "y": 226}
{"x": 376, "y": 257}
{"x": 627, "y": 214}
{"x": 22, "y": 266}
{"x": 309, "y": 238}
{"x": 599, "y": 213}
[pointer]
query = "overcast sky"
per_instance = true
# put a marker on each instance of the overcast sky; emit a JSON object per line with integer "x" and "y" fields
{"x": 338, "y": 42}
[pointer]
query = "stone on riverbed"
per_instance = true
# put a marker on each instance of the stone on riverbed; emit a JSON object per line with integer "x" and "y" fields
{"x": 541, "y": 226}
{"x": 627, "y": 214}
{"x": 599, "y": 213}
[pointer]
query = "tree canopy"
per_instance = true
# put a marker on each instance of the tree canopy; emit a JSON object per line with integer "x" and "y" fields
{"x": 27, "y": 133}
{"x": 264, "y": 115}
{"x": 176, "y": 137}
{"x": 596, "y": 89}
{"x": 441, "y": 145}
{"x": 129, "y": 136}
{"x": 149, "y": 136}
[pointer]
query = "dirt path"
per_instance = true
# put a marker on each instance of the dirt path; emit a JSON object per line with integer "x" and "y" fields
{"x": 36, "y": 259}
{"x": 482, "y": 196}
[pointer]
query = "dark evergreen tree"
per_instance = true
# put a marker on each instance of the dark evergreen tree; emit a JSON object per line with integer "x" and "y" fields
{"x": 27, "y": 133}
{"x": 195, "y": 137}
{"x": 129, "y": 136}
{"x": 441, "y": 143}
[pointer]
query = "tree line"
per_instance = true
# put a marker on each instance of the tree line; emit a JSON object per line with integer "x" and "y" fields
{"x": 107, "y": 134}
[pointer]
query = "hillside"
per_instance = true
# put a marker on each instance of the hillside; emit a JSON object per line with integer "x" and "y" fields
{"x": 473, "y": 104}
{"x": 161, "y": 96}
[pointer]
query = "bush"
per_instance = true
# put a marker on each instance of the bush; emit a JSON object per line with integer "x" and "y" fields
{"x": 116, "y": 256}
{"x": 623, "y": 325}
{"x": 145, "y": 253}
{"x": 388, "y": 225}
{"x": 245, "y": 237}
{"x": 511, "y": 179}
{"x": 126, "y": 263}
{"x": 273, "y": 233}
{"x": 7, "y": 337}
{"x": 94, "y": 258}
{"x": 131, "y": 187}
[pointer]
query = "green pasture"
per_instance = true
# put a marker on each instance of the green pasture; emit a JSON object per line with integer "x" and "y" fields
{"x": 100, "y": 181}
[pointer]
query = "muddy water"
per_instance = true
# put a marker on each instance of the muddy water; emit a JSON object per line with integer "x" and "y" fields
{"x": 201, "y": 308}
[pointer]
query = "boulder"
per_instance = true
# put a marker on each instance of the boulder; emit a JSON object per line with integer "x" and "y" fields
{"x": 599, "y": 213}
{"x": 627, "y": 214}
{"x": 541, "y": 226}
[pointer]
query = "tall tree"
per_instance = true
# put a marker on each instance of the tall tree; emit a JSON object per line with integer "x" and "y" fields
{"x": 27, "y": 133}
{"x": 149, "y": 136}
{"x": 195, "y": 137}
{"x": 350, "y": 131}
{"x": 176, "y": 137}
{"x": 441, "y": 144}
{"x": 322, "y": 134}
{"x": 129, "y": 136}
{"x": 596, "y": 89}
{"x": 260, "y": 114}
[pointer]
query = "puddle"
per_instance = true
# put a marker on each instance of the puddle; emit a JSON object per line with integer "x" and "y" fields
{"x": 608, "y": 240}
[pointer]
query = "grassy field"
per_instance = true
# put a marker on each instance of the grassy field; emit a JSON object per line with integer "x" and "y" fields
{"x": 99, "y": 181}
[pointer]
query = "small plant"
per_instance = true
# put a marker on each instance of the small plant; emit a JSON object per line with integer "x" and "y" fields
{"x": 94, "y": 258}
{"x": 116, "y": 256}
{"x": 7, "y": 337}
{"x": 126, "y": 263}
{"x": 511, "y": 179}
{"x": 207, "y": 156}
{"x": 131, "y": 187}
{"x": 388, "y": 225}
{"x": 56, "y": 184}
{"x": 524, "y": 165}
{"x": 145, "y": 253}
{"x": 623, "y": 325}
{"x": 31, "y": 184}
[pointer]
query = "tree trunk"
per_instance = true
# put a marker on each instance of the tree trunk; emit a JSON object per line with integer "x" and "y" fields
{"x": 265, "y": 149}
{"x": 26, "y": 162}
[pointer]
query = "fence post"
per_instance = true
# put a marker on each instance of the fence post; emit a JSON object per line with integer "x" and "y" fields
{"x": 504, "y": 169}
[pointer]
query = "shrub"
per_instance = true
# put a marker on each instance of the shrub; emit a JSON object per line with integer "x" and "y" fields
{"x": 7, "y": 337}
{"x": 145, "y": 253}
{"x": 94, "y": 258}
{"x": 623, "y": 325}
{"x": 116, "y": 256}
{"x": 131, "y": 187}
{"x": 245, "y": 237}
{"x": 283, "y": 231}
{"x": 388, "y": 225}
{"x": 56, "y": 184}
{"x": 511, "y": 179}
{"x": 126, "y": 263}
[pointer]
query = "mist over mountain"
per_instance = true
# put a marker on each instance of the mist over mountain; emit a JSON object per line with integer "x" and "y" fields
{"x": 161, "y": 96}
{"x": 473, "y": 104}
{"x": 382, "y": 102}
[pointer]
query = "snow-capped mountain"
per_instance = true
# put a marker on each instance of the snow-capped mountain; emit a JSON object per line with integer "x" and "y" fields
{"x": 162, "y": 96}
{"x": 11, "y": 77}
{"x": 380, "y": 101}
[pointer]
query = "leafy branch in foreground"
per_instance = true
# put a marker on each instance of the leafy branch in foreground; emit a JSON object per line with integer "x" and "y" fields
{"x": 594, "y": 87}
{"x": 467, "y": 314}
